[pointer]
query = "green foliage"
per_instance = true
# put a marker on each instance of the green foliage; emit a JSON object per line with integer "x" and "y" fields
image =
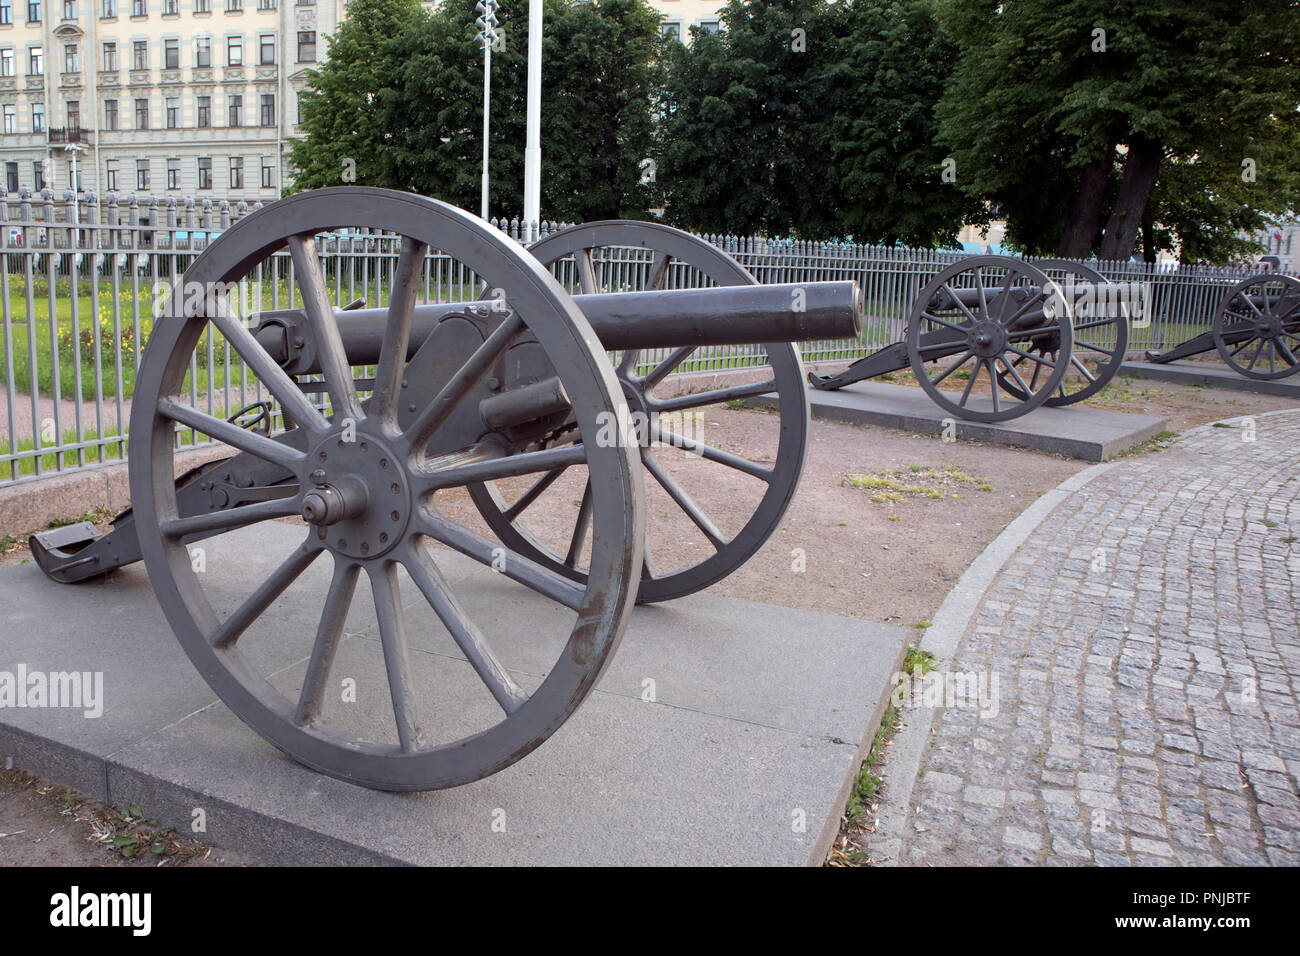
{"x": 404, "y": 100}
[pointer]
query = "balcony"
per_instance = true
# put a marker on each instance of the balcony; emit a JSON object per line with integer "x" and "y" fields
{"x": 69, "y": 134}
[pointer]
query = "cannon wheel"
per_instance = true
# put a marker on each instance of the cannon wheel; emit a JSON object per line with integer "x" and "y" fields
{"x": 786, "y": 380}
{"x": 988, "y": 338}
{"x": 1267, "y": 309}
{"x": 398, "y": 496}
{"x": 1098, "y": 332}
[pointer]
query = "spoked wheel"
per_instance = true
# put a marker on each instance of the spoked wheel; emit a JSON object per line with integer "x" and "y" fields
{"x": 975, "y": 320}
{"x": 762, "y": 488}
{"x": 1099, "y": 342}
{"x": 368, "y": 494}
{"x": 1257, "y": 329}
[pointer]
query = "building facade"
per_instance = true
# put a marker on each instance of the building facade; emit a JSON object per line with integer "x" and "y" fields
{"x": 183, "y": 97}
{"x": 681, "y": 15}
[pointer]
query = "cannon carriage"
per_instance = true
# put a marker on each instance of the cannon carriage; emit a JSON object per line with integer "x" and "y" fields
{"x": 1255, "y": 330}
{"x": 1024, "y": 335}
{"x": 372, "y": 418}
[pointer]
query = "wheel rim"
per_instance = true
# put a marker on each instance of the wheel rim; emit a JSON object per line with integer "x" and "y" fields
{"x": 1099, "y": 342}
{"x": 666, "y": 246}
{"x": 1257, "y": 328}
{"x": 296, "y": 723}
{"x": 982, "y": 338}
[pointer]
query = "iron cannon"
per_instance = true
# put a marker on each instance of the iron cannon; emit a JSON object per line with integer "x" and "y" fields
{"x": 1020, "y": 325}
{"x": 1256, "y": 325}
{"x": 503, "y": 392}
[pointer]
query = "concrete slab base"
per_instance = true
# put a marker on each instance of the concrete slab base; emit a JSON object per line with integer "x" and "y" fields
{"x": 1211, "y": 373}
{"x": 757, "y": 721}
{"x": 1074, "y": 431}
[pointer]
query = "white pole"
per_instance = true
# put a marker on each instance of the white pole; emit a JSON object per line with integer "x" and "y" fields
{"x": 487, "y": 90}
{"x": 533, "y": 144}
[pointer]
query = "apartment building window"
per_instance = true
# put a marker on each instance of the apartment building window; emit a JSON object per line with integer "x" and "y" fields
{"x": 234, "y": 6}
{"x": 202, "y": 6}
{"x": 140, "y": 55}
{"x": 142, "y": 174}
{"x": 33, "y": 11}
{"x": 266, "y": 4}
{"x": 268, "y": 174}
{"x": 236, "y": 109}
{"x": 234, "y": 51}
{"x": 110, "y": 10}
{"x": 710, "y": 26}
{"x": 11, "y": 177}
{"x": 71, "y": 58}
{"x": 74, "y": 114}
{"x": 35, "y": 61}
{"x": 11, "y": 119}
{"x": 268, "y": 109}
{"x": 38, "y": 175}
{"x": 110, "y": 114}
{"x": 173, "y": 174}
{"x": 139, "y": 8}
{"x": 306, "y": 3}
{"x": 173, "y": 112}
{"x": 203, "y": 52}
{"x": 306, "y": 46}
{"x": 110, "y": 175}
{"x": 69, "y": 9}
{"x": 171, "y": 54}
{"x": 266, "y": 55}
{"x": 6, "y": 62}
{"x": 110, "y": 57}
{"x": 6, "y": 12}
{"x": 236, "y": 172}
{"x": 38, "y": 117}
{"x": 205, "y": 112}
{"x": 142, "y": 114}
{"x": 171, "y": 8}
{"x": 205, "y": 172}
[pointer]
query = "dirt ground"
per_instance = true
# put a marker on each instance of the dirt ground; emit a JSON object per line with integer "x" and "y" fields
{"x": 882, "y": 525}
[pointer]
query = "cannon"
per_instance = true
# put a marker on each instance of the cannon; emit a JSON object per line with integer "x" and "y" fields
{"x": 1049, "y": 333}
{"x": 374, "y": 419}
{"x": 1257, "y": 324}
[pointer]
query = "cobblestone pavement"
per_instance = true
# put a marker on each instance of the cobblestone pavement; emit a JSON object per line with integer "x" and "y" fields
{"x": 1145, "y": 645}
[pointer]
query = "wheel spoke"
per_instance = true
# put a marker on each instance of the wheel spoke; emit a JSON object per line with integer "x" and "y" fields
{"x": 952, "y": 294}
{"x": 944, "y": 322}
{"x": 700, "y": 399}
{"x": 1258, "y": 349}
{"x": 1109, "y": 353}
{"x": 667, "y": 366}
{"x": 580, "y": 528}
{"x": 401, "y": 310}
{"x": 993, "y": 385}
{"x": 1032, "y": 357}
{"x": 329, "y": 632}
{"x": 316, "y": 304}
{"x": 971, "y": 383}
{"x": 1082, "y": 368}
{"x": 1287, "y": 355}
{"x": 476, "y": 367}
{"x": 268, "y": 449}
{"x": 1011, "y": 369}
{"x": 531, "y": 495}
{"x": 627, "y": 362}
{"x": 397, "y": 655}
{"x": 424, "y": 572}
{"x": 228, "y": 519}
{"x": 292, "y": 399}
{"x": 952, "y": 368}
{"x": 1029, "y": 304}
{"x": 509, "y": 466}
{"x": 659, "y": 271}
{"x": 684, "y": 501}
{"x": 514, "y": 566}
{"x": 265, "y": 595}
{"x": 709, "y": 453}
{"x": 586, "y": 272}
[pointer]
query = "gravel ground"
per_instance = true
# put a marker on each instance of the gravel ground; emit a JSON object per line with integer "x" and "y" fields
{"x": 882, "y": 560}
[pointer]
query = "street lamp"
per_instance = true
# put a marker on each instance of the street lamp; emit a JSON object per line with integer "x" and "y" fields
{"x": 486, "y": 21}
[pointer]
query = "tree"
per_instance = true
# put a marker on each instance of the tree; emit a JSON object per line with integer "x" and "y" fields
{"x": 746, "y": 137}
{"x": 1067, "y": 113}
{"x": 891, "y": 70}
{"x": 406, "y": 105}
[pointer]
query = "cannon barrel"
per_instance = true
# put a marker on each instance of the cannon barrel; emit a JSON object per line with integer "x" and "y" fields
{"x": 721, "y": 315}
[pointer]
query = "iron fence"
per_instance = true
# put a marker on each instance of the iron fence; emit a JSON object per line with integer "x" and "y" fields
{"x": 81, "y": 278}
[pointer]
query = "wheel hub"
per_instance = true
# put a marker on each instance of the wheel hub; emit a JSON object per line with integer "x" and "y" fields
{"x": 359, "y": 498}
{"x": 987, "y": 339}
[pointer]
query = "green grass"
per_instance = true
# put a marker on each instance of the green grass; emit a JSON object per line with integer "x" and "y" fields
{"x": 110, "y": 452}
{"x": 1157, "y": 442}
